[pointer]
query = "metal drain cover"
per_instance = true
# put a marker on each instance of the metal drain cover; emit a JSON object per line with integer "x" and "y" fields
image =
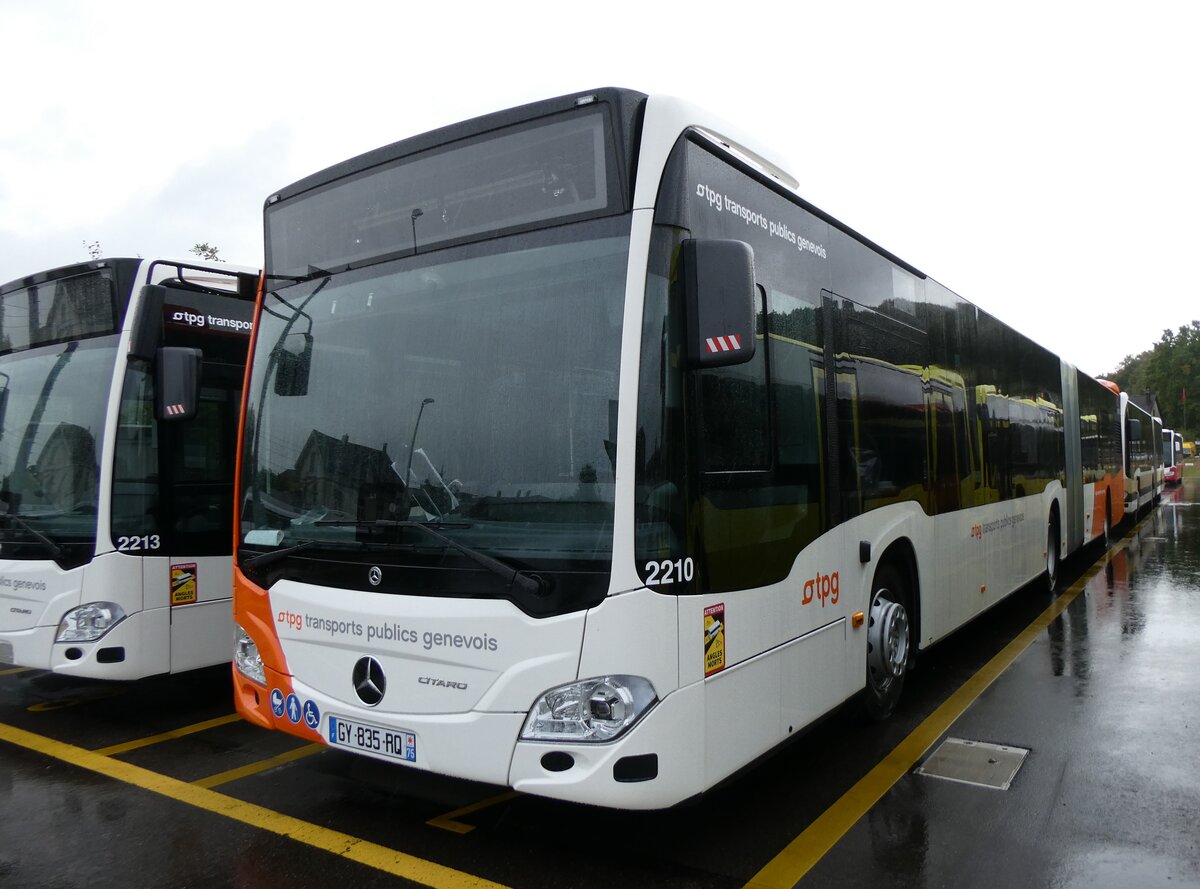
{"x": 975, "y": 762}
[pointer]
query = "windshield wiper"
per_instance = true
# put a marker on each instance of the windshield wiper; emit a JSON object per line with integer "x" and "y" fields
{"x": 53, "y": 548}
{"x": 262, "y": 560}
{"x": 515, "y": 577}
{"x": 312, "y": 273}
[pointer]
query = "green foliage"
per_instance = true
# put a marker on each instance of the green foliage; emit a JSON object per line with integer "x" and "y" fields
{"x": 1169, "y": 370}
{"x": 206, "y": 251}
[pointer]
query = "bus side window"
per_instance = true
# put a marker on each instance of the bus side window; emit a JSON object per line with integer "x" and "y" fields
{"x": 200, "y": 464}
{"x": 883, "y": 433}
{"x": 797, "y": 381}
{"x": 135, "y": 460}
{"x": 736, "y": 487}
{"x": 734, "y": 413}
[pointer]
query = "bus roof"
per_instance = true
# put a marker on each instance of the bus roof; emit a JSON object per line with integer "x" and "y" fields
{"x": 627, "y": 105}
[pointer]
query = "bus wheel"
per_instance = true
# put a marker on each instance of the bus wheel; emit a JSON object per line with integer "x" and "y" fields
{"x": 1107, "y": 520}
{"x": 888, "y": 641}
{"x": 1051, "y": 576}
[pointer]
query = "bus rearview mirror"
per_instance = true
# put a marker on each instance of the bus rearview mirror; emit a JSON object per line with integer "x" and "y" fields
{"x": 147, "y": 327}
{"x": 177, "y": 383}
{"x": 719, "y": 295}
{"x": 293, "y": 359}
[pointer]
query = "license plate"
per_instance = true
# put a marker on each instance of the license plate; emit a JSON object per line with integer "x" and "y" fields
{"x": 372, "y": 739}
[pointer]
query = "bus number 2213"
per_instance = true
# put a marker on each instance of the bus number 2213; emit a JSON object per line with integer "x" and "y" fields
{"x": 679, "y": 571}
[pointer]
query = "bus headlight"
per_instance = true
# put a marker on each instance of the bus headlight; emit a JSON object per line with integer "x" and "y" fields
{"x": 591, "y": 710}
{"x": 246, "y": 657}
{"x": 89, "y": 622}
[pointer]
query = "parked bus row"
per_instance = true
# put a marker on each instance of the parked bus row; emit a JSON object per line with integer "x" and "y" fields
{"x": 578, "y": 453}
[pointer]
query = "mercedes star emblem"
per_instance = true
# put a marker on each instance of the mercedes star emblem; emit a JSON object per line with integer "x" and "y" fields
{"x": 375, "y": 575}
{"x": 369, "y": 681}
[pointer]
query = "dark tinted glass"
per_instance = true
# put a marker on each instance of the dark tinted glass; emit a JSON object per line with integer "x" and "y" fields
{"x": 532, "y": 174}
{"x": 734, "y": 413}
{"x": 474, "y": 388}
{"x": 755, "y": 436}
{"x": 936, "y": 403}
{"x": 57, "y": 310}
{"x": 51, "y": 433}
{"x": 881, "y": 408}
{"x": 175, "y": 479}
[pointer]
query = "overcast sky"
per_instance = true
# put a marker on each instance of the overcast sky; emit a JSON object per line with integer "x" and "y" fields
{"x": 1040, "y": 159}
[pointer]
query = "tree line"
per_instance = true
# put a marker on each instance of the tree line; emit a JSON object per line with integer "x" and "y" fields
{"x": 1171, "y": 370}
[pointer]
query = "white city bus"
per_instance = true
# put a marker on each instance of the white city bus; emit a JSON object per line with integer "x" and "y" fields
{"x": 580, "y": 454}
{"x": 1172, "y": 457}
{"x": 118, "y": 417}
{"x": 1142, "y": 454}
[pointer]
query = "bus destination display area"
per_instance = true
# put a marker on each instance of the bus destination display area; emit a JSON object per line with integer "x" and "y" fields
{"x": 1051, "y": 742}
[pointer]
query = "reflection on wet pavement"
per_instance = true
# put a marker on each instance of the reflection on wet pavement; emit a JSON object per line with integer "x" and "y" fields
{"x": 1108, "y": 700}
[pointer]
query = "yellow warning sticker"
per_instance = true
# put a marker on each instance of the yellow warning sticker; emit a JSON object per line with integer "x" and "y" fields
{"x": 183, "y": 584}
{"x": 714, "y": 639}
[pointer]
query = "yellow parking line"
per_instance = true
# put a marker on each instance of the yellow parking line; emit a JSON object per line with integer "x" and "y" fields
{"x": 448, "y": 822}
{"x": 381, "y": 858}
{"x": 801, "y": 854}
{"x": 172, "y": 735}
{"x": 14, "y": 670}
{"x": 255, "y": 767}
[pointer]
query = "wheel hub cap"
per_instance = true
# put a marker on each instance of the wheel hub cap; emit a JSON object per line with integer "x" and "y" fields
{"x": 888, "y": 637}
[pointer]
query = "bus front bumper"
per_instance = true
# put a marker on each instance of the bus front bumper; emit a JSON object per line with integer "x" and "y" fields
{"x": 656, "y": 764}
{"x": 134, "y": 648}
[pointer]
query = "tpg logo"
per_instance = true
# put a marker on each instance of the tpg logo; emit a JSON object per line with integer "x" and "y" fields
{"x": 823, "y": 587}
{"x": 291, "y": 619}
{"x": 188, "y": 318}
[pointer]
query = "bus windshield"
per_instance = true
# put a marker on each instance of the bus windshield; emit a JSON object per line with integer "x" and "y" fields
{"x": 473, "y": 390}
{"x": 52, "y": 403}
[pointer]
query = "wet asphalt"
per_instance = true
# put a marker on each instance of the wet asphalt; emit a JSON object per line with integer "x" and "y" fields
{"x": 1107, "y": 701}
{"x": 1105, "y": 698}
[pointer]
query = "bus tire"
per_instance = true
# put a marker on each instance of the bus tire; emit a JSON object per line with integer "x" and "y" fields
{"x": 1053, "y": 539}
{"x": 1108, "y": 526}
{"x": 889, "y": 642}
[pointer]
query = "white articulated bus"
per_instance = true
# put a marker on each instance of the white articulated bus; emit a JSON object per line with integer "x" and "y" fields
{"x": 580, "y": 454}
{"x": 1099, "y": 438}
{"x": 1142, "y": 455}
{"x": 118, "y": 417}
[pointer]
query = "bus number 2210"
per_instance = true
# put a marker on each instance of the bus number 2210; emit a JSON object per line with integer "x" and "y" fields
{"x": 679, "y": 571}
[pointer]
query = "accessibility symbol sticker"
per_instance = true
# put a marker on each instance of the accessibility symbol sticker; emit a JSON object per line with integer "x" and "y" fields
{"x": 277, "y": 702}
{"x": 293, "y": 708}
{"x": 312, "y": 716}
